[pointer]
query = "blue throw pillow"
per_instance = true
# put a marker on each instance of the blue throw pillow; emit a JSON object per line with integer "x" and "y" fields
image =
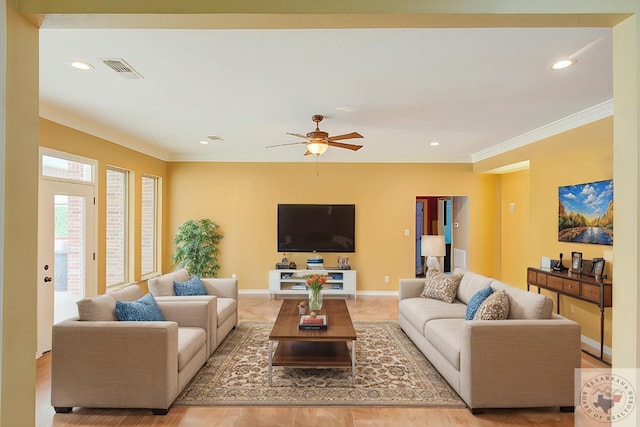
{"x": 144, "y": 309}
{"x": 192, "y": 286}
{"x": 476, "y": 300}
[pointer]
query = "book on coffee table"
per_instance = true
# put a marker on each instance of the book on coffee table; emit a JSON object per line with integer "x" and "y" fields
{"x": 319, "y": 322}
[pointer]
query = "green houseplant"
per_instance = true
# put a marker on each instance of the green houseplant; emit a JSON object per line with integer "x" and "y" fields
{"x": 196, "y": 247}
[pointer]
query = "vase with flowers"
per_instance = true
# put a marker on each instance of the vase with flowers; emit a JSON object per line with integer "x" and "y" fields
{"x": 314, "y": 284}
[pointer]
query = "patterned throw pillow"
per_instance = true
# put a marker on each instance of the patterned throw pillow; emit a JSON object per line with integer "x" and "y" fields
{"x": 476, "y": 301}
{"x": 192, "y": 286}
{"x": 441, "y": 286}
{"x": 495, "y": 307}
{"x": 144, "y": 309}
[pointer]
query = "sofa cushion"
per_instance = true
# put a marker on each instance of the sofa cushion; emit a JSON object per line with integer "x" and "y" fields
{"x": 144, "y": 309}
{"x": 419, "y": 311}
{"x": 495, "y": 307}
{"x": 470, "y": 284}
{"x": 441, "y": 286}
{"x": 524, "y": 304}
{"x": 190, "y": 341}
{"x": 225, "y": 308}
{"x": 192, "y": 286}
{"x": 444, "y": 335}
{"x": 163, "y": 285}
{"x": 102, "y": 307}
{"x": 476, "y": 301}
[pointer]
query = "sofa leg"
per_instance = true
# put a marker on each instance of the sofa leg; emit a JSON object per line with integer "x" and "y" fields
{"x": 157, "y": 411}
{"x": 62, "y": 409}
{"x": 567, "y": 409}
{"x": 476, "y": 411}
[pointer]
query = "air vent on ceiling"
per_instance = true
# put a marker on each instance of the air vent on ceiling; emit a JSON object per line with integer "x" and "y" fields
{"x": 123, "y": 69}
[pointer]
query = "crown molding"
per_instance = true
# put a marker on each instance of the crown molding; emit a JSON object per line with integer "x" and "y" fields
{"x": 581, "y": 118}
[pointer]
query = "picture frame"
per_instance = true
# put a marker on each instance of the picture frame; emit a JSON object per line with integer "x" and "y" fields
{"x": 576, "y": 262}
{"x": 597, "y": 267}
{"x": 585, "y": 213}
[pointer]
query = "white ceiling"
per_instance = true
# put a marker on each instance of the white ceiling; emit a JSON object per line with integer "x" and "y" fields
{"x": 476, "y": 91}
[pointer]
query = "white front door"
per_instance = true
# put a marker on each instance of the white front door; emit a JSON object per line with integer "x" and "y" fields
{"x": 66, "y": 253}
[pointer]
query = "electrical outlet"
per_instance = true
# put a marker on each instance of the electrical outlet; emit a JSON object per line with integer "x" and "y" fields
{"x": 386, "y": 279}
{"x": 233, "y": 276}
{"x": 407, "y": 232}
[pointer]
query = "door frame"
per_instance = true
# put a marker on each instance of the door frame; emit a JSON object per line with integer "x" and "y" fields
{"x": 88, "y": 190}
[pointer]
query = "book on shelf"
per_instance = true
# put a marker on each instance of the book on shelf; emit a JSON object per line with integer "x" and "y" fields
{"x": 299, "y": 287}
{"x": 307, "y": 322}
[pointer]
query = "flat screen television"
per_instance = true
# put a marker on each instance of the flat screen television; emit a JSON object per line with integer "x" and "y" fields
{"x": 316, "y": 228}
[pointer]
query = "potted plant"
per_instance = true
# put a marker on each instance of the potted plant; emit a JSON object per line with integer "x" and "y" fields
{"x": 196, "y": 247}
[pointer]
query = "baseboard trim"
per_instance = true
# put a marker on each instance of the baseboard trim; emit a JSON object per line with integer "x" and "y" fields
{"x": 593, "y": 348}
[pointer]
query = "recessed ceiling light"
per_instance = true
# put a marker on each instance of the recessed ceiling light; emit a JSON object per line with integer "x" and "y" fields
{"x": 82, "y": 65}
{"x": 434, "y": 143}
{"x": 563, "y": 63}
{"x": 203, "y": 142}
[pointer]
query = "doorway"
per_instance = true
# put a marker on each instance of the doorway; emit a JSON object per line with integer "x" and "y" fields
{"x": 66, "y": 242}
{"x": 445, "y": 216}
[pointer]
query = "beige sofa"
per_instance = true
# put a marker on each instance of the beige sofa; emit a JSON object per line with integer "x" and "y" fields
{"x": 100, "y": 362}
{"x": 527, "y": 360}
{"x": 222, "y": 292}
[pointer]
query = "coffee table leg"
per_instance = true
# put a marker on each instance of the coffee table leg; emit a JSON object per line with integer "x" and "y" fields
{"x": 270, "y": 360}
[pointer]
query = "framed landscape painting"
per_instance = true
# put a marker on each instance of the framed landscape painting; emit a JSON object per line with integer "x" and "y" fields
{"x": 585, "y": 213}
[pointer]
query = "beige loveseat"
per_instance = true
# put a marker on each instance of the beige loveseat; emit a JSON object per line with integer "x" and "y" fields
{"x": 223, "y": 293}
{"x": 527, "y": 360}
{"x": 100, "y": 362}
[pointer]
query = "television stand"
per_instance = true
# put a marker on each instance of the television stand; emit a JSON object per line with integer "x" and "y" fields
{"x": 292, "y": 283}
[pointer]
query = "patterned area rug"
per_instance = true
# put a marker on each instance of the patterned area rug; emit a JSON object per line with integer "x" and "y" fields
{"x": 390, "y": 371}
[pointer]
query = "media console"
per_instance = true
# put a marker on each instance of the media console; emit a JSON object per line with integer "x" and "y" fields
{"x": 293, "y": 282}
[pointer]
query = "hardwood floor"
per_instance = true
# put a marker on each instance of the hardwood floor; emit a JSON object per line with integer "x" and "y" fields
{"x": 261, "y": 308}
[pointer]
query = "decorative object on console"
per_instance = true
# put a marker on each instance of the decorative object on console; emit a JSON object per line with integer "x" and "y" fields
{"x": 576, "y": 262}
{"x": 558, "y": 266}
{"x": 432, "y": 246}
{"x": 314, "y": 283}
{"x": 597, "y": 267}
{"x": 196, "y": 247}
{"x": 580, "y": 219}
{"x": 343, "y": 263}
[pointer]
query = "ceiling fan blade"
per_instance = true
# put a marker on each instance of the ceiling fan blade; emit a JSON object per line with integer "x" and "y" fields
{"x": 308, "y": 153}
{"x": 352, "y": 147}
{"x": 345, "y": 136}
{"x": 297, "y": 134}
{"x": 283, "y": 145}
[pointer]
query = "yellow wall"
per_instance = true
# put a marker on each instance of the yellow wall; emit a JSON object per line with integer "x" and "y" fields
{"x": 242, "y": 199}
{"x": 20, "y": 223}
{"x": 62, "y": 138}
{"x": 581, "y": 155}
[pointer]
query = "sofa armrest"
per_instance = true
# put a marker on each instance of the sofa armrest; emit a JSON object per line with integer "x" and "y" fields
{"x": 411, "y": 288}
{"x": 512, "y": 363}
{"x": 193, "y": 311}
{"x": 221, "y": 287}
{"x": 114, "y": 364}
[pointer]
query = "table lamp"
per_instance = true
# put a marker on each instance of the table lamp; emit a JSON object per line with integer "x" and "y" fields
{"x": 432, "y": 246}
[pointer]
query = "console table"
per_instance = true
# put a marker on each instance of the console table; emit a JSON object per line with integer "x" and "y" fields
{"x": 574, "y": 285}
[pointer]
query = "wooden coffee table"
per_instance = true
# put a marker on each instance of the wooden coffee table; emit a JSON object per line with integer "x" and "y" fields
{"x": 315, "y": 348}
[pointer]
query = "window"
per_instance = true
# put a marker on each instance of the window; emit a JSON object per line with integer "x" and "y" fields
{"x": 149, "y": 238}
{"x": 117, "y": 231}
{"x": 67, "y": 169}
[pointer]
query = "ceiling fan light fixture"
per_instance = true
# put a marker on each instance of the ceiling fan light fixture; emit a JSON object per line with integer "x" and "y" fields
{"x": 317, "y": 147}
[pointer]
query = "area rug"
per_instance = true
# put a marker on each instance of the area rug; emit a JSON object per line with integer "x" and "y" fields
{"x": 390, "y": 371}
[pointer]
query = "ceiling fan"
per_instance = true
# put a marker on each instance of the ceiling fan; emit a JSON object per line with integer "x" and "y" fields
{"x": 318, "y": 141}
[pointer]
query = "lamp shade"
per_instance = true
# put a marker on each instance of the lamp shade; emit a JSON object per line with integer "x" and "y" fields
{"x": 432, "y": 245}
